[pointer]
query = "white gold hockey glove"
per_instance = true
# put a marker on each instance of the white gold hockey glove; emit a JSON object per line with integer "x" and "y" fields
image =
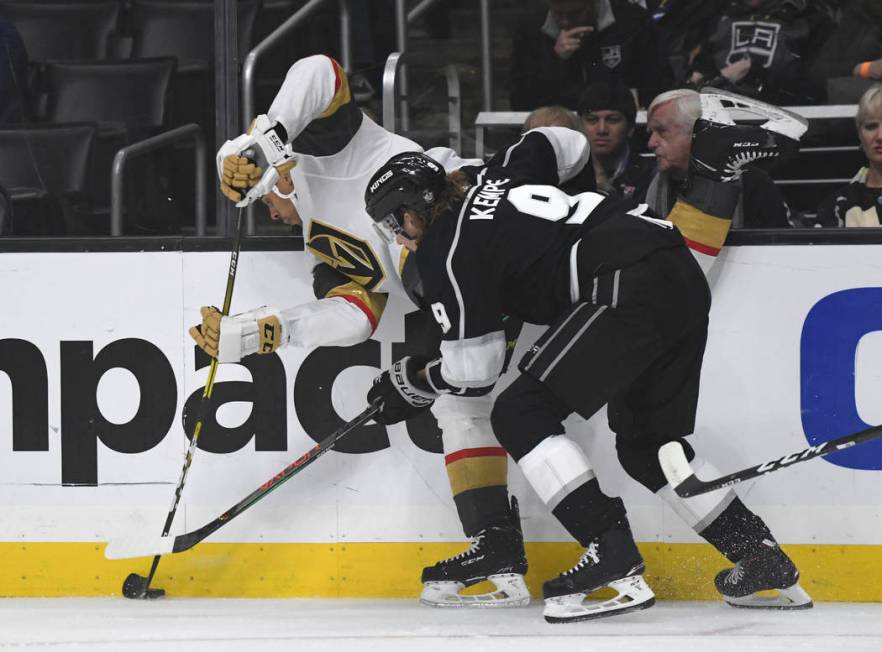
{"x": 238, "y": 173}
{"x": 229, "y": 339}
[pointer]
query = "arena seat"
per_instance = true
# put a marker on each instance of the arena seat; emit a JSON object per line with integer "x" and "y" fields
{"x": 184, "y": 29}
{"x": 64, "y": 30}
{"x": 5, "y": 212}
{"x": 129, "y": 94}
{"x": 128, "y": 101}
{"x": 45, "y": 169}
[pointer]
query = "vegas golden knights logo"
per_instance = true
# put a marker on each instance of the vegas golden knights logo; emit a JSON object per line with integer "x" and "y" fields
{"x": 347, "y": 254}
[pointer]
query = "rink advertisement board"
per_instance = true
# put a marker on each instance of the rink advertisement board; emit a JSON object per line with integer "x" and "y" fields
{"x": 99, "y": 375}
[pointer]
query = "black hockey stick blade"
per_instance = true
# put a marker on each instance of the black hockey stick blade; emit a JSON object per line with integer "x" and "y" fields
{"x": 682, "y": 478}
{"x": 141, "y": 546}
{"x": 136, "y": 587}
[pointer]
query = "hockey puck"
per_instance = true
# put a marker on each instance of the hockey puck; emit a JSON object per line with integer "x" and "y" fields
{"x": 135, "y": 588}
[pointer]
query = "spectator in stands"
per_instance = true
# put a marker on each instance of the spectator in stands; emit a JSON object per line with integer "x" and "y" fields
{"x": 575, "y": 42}
{"x": 552, "y": 116}
{"x": 854, "y": 49}
{"x": 860, "y": 202}
{"x": 681, "y": 25}
{"x": 13, "y": 61}
{"x": 559, "y": 116}
{"x": 670, "y": 119}
{"x": 608, "y": 113}
{"x": 759, "y": 48}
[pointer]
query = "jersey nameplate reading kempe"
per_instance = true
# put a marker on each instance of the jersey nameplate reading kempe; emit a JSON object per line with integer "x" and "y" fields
{"x": 488, "y": 196}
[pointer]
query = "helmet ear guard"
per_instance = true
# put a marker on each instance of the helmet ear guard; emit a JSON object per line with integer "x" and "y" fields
{"x": 410, "y": 180}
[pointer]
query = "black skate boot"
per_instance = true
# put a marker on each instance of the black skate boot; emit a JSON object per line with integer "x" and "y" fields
{"x": 610, "y": 560}
{"x": 497, "y": 555}
{"x": 768, "y": 569}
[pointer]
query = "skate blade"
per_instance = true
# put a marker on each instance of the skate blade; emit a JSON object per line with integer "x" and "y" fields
{"x": 511, "y": 591}
{"x": 792, "y": 598}
{"x": 634, "y": 594}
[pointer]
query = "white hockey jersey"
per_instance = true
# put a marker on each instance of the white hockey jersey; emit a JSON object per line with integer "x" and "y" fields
{"x": 338, "y": 149}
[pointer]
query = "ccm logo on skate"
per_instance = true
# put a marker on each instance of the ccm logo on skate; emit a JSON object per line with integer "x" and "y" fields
{"x": 836, "y": 370}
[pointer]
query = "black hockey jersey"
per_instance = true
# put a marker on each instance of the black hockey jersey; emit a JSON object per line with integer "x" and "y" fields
{"x": 507, "y": 250}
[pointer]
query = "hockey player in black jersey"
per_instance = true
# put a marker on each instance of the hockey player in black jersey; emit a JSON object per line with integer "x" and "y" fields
{"x": 627, "y": 307}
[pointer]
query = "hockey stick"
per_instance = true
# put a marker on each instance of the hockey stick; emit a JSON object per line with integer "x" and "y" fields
{"x": 137, "y": 586}
{"x": 141, "y": 547}
{"x": 684, "y": 481}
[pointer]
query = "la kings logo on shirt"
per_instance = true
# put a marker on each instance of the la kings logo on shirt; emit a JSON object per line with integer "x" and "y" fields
{"x": 611, "y": 55}
{"x": 756, "y": 39}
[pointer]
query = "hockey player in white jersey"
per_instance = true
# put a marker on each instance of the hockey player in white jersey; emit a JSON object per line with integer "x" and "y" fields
{"x": 319, "y": 151}
{"x": 628, "y": 309}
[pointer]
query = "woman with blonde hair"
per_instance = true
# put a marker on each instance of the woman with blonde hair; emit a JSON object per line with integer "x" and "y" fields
{"x": 860, "y": 202}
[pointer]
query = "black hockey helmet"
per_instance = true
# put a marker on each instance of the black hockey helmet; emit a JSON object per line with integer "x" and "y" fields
{"x": 407, "y": 180}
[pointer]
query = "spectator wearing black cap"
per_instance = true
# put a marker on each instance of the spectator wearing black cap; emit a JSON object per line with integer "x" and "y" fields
{"x": 608, "y": 112}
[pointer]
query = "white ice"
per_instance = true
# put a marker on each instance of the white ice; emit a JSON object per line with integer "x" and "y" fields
{"x": 222, "y": 625}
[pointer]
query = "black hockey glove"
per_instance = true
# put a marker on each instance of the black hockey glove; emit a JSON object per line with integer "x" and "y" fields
{"x": 720, "y": 152}
{"x": 400, "y": 392}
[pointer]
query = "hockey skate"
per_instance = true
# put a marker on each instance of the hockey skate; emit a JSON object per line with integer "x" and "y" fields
{"x": 496, "y": 554}
{"x": 768, "y": 570}
{"x": 611, "y": 561}
{"x": 721, "y": 149}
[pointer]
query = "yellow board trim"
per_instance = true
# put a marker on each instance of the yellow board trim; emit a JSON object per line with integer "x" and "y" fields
{"x": 391, "y": 570}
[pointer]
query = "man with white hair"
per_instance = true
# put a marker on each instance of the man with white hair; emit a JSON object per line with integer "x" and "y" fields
{"x": 719, "y": 517}
{"x": 670, "y": 119}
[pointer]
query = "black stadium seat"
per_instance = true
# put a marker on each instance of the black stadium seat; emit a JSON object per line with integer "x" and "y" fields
{"x": 128, "y": 101}
{"x": 6, "y": 215}
{"x": 45, "y": 169}
{"x": 184, "y": 29}
{"x": 113, "y": 93}
{"x": 64, "y": 30}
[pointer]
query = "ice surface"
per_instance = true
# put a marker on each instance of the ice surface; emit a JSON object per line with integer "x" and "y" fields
{"x": 298, "y": 625}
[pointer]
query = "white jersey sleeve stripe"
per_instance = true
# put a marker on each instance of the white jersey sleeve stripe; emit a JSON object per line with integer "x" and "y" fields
{"x": 450, "y": 274}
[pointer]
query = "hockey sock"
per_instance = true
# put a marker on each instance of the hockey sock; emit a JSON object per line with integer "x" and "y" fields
{"x": 477, "y": 466}
{"x": 482, "y": 508}
{"x": 737, "y": 532}
{"x": 587, "y": 512}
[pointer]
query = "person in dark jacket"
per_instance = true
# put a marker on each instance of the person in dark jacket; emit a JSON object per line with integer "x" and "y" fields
{"x": 671, "y": 117}
{"x": 854, "y": 49}
{"x": 681, "y": 26}
{"x": 558, "y": 51}
{"x": 759, "y": 48}
{"x": 608, "y": 114}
